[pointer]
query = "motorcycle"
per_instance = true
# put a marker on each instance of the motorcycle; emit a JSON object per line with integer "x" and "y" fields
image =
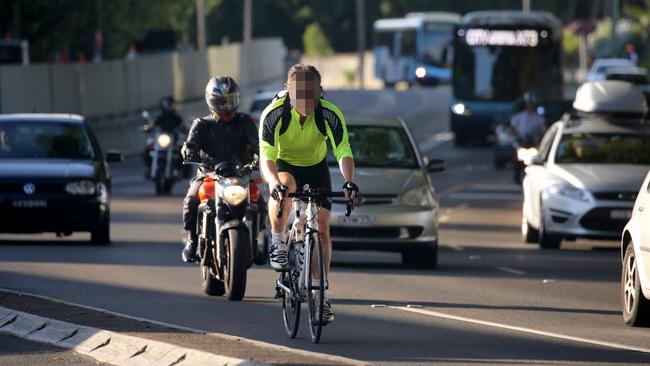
{"x": 226, "y": 228}
{"x": 163, "y": 157}
{"x": 509, "y": 147}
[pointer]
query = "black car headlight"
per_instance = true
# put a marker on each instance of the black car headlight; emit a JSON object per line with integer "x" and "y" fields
{"x": 81, "y": 187}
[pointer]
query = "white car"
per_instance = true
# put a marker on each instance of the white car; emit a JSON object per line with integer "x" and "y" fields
{"x": 262, "y": 100}
{"x": 584, "y": 180}
{"x": 599, "y": 68}
{"x": 635, "y": 251}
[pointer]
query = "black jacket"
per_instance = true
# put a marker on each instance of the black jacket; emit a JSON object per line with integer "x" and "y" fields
{"x": 168, "y": 122}
{"x": 235, "y": 140}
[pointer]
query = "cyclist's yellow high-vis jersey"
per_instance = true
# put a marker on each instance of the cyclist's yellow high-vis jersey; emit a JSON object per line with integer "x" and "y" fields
{"x": 302, "y": 145}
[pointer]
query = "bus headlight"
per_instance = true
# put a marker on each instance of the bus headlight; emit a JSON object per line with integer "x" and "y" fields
{"x": 420, "y": 72}
{"x": 234, "y": 195}
{"x": 459, "y": 108}
{"x": 164, "y": 140}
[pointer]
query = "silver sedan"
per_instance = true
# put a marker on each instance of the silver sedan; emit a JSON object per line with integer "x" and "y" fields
{"x": 584, "y": 180}
{"x": 398, "y": 206}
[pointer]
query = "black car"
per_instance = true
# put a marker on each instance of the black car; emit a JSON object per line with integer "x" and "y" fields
{"x": 53, "y": 176}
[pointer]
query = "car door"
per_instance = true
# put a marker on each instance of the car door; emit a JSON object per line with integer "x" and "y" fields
{"x": 535, "y": 176}
{"x": 642, "y": 211}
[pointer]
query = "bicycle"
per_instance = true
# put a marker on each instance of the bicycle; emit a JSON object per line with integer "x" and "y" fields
{"x": 295, "y": 284}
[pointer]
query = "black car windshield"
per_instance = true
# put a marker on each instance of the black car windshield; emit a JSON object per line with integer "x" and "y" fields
{"x": 375, "y": 146}
{"x": 591, "y": 148}
{"x": 44, "y": 140}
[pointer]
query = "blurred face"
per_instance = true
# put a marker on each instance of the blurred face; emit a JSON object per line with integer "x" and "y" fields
{"x": 304, "y": 91}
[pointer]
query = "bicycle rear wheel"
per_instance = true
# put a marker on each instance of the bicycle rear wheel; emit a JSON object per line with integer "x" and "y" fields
{"x": 290, "y": 300}
{"x": 316, "y": 287}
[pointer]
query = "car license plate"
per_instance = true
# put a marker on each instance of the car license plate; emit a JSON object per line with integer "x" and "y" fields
{"x": 357, "y": 220}
{"x": 620, "y": 214}
{"x": 30, "y": 204}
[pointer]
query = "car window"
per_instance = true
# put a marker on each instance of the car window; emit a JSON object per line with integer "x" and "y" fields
{"x": 546, "y": 143}
{"x": 376, "y": 146}
{"x": 44, "y": 140}
{"x": 603, "y": 148}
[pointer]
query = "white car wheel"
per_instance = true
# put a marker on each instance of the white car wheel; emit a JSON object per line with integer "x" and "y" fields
{"x": 636, "y": 308}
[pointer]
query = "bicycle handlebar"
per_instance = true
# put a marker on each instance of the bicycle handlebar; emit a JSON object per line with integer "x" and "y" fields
{"x": 349, "y": 205}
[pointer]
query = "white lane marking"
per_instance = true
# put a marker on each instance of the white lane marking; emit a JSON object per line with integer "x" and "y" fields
{"x": 484, "y": 196}
{"x": 475, "y": 257}
{"x": 511, "y": 271}
{"x": 457, "y": 248}
{"x": 435, "y": 141}
{"x": 198, "y": 331}
{"x": 523, "y": 329}
{"x": 548, "y": 281}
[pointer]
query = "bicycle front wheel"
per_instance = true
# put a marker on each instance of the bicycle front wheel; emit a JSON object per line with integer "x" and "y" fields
{"x": 290, "y": 300}
{"x": 316, "y": 287}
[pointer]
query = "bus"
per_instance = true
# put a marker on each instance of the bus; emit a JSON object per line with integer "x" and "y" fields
{"x": 414, "y": 49}
{"x": 498, "y": 56}
{"x": 14, "y": 52}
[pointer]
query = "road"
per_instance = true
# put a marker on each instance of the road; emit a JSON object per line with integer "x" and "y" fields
{"x": 492, "y": 300}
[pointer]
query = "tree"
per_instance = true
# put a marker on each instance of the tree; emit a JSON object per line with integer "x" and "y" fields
{"x": 315, "y": 43}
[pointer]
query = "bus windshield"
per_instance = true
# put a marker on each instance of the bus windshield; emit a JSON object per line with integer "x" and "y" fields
{"x": 437, "y": 39}
{"x": 501, "y": 65}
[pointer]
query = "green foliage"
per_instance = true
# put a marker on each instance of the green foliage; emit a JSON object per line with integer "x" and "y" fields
{"x": 315, "y": 43}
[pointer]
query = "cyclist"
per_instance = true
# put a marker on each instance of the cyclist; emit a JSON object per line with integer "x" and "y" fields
{"x": 293, "y": 132}
{"x": 224, "y": 135}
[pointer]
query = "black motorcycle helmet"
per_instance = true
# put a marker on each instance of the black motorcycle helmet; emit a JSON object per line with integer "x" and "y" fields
{"x": 222, "y": 95}
{"x": 167, "y": 104}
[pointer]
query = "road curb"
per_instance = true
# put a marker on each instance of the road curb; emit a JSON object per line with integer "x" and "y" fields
{"x": 107, "y": 346}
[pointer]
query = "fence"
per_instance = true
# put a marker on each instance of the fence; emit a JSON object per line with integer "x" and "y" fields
{"x": 114, "y": 88}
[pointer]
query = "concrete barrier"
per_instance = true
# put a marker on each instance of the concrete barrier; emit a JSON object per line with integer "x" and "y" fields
{"x": 25, "y": 89}
{"x": 340, "y": 71}
{"x": 118, "y": 87}
{"x": 112, "y": 94}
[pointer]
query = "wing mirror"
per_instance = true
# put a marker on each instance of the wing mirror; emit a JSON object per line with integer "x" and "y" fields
{"x": 114, "y": 156}
{"x": 436, "y": 165}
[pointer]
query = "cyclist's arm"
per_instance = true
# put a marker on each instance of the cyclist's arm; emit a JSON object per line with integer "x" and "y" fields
{"x": 268, "y": 138}
{"x": 347, "y": 168}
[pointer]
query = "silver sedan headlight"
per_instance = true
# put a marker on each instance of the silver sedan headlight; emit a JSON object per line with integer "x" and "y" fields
{"x": 234, "y": 195}
{"x": 568, "y": 191}
{"x": 81, "y": 187}
{"x": 419, "y": 196}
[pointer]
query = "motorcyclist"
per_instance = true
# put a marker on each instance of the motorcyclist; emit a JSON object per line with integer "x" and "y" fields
{"x": 223, "y": 135}
{"x": 169, "y": 122}
{"x": 527, "y": 125}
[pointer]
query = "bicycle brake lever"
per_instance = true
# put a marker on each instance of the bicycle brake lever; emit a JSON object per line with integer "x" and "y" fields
{"x": 348, "y": 208}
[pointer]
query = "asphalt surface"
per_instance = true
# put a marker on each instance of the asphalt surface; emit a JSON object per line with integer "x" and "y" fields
{"x": 493, "y": 299}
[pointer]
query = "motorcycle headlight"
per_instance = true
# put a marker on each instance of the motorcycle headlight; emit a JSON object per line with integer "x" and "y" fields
{"x": 164, "y": 140}
{"x": 234, "y": 195}
{"x": 568, "y": 191}
{"x": 420, "y": 196}
{"x": 81, "y": 187}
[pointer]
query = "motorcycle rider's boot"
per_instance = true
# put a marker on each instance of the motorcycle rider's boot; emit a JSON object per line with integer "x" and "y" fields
{"x": 189, "y": 251}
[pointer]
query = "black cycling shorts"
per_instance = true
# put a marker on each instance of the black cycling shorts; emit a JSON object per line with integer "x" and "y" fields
{"x": 317, "y": 176}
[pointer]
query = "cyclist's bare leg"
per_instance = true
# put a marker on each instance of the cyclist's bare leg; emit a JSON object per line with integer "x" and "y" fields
{"x": 323, "y": 219}
{"x": 278, "y": 224}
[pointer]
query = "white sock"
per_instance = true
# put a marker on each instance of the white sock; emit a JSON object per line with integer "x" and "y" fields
{"x": 279, "y": 238}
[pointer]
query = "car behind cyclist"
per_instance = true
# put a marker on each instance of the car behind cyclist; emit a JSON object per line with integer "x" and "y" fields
{"x": 294, "y": 130}
{"x": 224, "y": 135}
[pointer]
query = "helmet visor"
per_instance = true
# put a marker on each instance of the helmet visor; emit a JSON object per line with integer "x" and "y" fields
{"x": 224, "y": 104}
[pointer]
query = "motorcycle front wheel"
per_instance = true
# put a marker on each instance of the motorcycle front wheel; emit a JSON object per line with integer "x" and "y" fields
{"x": 237, "y": 247}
